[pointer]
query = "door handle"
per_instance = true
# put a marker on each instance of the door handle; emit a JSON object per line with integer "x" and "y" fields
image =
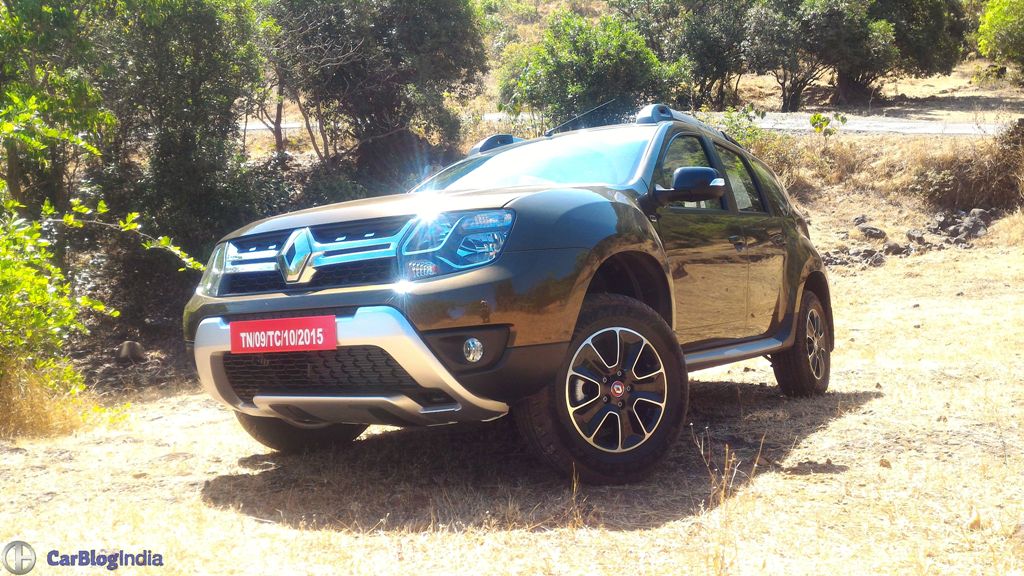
{"x": 738, "y": 242}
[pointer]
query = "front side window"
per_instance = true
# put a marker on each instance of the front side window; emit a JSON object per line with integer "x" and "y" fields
{"x": 684, "y": 151}
{"x": 604, "y": 156}
{"x": 743, "y": 188}
{"x": 771, "y": 186}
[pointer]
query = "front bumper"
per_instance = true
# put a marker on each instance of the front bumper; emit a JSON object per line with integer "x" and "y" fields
{"x": 381, "y": 326}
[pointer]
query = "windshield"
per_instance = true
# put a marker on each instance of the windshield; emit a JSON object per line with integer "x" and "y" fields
{"x": 604, "y": 156}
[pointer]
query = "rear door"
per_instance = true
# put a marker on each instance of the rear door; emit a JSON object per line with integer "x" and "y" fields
{"x": 703, "y": 242}
{"x": 764, "y": 242}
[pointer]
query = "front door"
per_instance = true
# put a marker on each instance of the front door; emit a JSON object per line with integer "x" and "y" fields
{"x": 703, "y": 242}
{"x": 764, "y": 243}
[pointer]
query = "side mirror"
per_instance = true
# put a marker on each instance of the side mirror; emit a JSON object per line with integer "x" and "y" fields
{"x": 693, "y": 184}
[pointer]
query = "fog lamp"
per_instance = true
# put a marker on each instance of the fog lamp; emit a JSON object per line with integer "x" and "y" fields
{"x": 473, "y": 350}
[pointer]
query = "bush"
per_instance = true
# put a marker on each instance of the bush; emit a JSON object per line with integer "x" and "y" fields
{"x": 989, "y": 174}
{"x": 579, "y": 65}
{"x": 1001, "y": 34}
{"x": 37, "y": 315}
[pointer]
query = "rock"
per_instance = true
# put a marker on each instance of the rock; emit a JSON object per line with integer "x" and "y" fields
{"x": 972, "y": 227}
{"x": 916, "y": 236}
{"x": 895, "y": 248}
{"x": 863, "y": 253}
{"x": 130, "y": 351}
{"x": 943, "y": 221}
{"x": 834, "y": 258}
{"x": 858, "y": 220}
{"x": 981, "y": 214}
{"x": 872, "y": 232}
{"x": 876, "y": 260}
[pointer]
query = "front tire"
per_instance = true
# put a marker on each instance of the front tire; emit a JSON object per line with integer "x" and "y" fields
{"x": 281, "y": 436}
{"x": 804, "y": 369}
{"x": 620, "y": 398}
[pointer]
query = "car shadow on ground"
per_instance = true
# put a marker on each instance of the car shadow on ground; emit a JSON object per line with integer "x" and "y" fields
{"x": 482, "y": 476}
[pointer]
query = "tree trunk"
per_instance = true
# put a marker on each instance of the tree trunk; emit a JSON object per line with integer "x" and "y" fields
{"x": 851, "y": 89}
{"x": 14, "y": 175}
{"x": 792, "y": 97}
{"x": 278, "y": 116}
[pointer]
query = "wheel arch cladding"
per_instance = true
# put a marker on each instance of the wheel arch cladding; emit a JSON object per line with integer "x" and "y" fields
{"x": 817, "y": 282}
{"x": 616, "y": 235}
{"x": 637, "y": 275}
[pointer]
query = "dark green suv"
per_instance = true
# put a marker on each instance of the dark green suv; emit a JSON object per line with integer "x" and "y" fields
{"x": 572, "y": 280}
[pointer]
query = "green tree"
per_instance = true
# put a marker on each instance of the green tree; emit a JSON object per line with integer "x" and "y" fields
{"x": 363, "y": 71}
{"x": 657, "y": 21}
{"x": 784, "y": 41}
{"x": 44, "y": 60}
{"x": 579, "y": 65}
{"x": 713, "y": 33}
{"x": 703, "y": 36}
{"x": 929, "y": 34}
{"x": 1001, "y": 34}
{"x": 858, "y": 48}
{"x": 176, "y": 74}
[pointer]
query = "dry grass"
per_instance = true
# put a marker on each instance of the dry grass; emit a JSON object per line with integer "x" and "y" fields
{"x": 910, "y": 465}
{"x": 32, "y": 409}
{"x": 1008, "y": 231}
{"x": 941, "y": 171}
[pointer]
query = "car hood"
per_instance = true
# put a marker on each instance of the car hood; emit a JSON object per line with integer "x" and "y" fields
{"x": 397, "y": 205}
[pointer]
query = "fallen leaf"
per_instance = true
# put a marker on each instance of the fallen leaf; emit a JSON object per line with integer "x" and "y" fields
{"x": 975, "y": 521}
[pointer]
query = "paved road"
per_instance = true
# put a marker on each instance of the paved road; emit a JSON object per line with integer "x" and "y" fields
{"x": 800, "y": 122}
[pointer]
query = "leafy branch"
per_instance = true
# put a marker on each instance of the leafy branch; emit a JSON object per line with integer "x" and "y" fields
{"x": 82, "y": 215}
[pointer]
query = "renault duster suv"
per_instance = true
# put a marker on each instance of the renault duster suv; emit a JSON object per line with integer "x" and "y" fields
{"x": 572, "y": 280}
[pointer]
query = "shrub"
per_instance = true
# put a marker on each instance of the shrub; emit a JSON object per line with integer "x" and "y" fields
{"x": 37, "y": 314}
{"x": 987, "y": 174}
{"x": 1001, "y": 34}
{"x": 579, "y": 65}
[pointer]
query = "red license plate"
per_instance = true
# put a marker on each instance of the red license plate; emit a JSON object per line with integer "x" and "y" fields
{"x": 284, "y": 335}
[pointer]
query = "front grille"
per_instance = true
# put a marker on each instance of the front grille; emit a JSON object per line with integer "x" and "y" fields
{"x": 360, "y": 230}
{"x": 358, "y": 273}
{"x": 251, "y": 282}
{"x": 345, "y": 371}
{"x": 261, "y": 242}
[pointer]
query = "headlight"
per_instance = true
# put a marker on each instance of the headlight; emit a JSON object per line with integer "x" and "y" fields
{"x": 210, "y": 282}
{"x": 454, "y": 241}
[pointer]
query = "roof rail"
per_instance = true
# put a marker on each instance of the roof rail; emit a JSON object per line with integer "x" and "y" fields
{"x": 654, "y": 113}
{"x": 492, "y": 142}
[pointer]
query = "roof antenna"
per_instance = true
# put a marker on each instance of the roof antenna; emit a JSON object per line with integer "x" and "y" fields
{"x": 563, "y": 124}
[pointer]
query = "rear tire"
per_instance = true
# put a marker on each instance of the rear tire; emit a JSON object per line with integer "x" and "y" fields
{"x": 620, "y": 398}
{"x": 803, "y": 370}
{"x": 281, "y": 436}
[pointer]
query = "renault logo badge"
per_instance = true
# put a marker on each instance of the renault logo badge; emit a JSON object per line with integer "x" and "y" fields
{"x": 295, "y": 256}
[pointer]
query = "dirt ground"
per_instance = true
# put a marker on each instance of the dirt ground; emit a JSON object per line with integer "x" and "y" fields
{"x": 911, "y": 464}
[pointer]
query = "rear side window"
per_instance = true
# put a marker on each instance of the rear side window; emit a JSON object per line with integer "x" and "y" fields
{"x": 771, "y": 186}
{"x": 741, "y": 182}
{"x": 684, "y": 151}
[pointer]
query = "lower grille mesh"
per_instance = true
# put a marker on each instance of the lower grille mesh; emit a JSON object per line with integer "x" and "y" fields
{"x": 345, "y": 371}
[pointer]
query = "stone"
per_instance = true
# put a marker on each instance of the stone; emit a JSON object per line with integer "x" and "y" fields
{"x": 130, "y": 351}
{"x": 876, "y": 260}
{"x": 894, "y": 248}
{"x": 858, "y": 220}
{"x": 872, "y": 232}
{"x": 981, "y": 214}
{"x": 916, "y": 236}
